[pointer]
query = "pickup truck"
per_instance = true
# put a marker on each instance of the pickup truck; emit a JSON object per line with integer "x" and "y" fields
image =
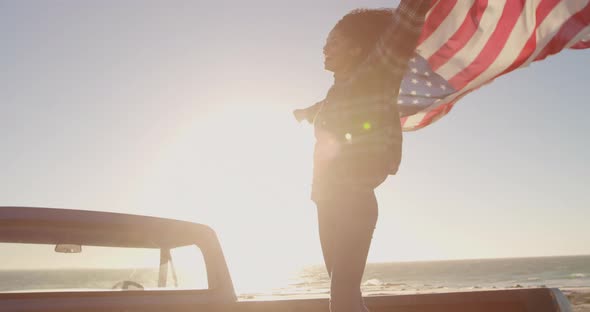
{"x": 72, "y": 260}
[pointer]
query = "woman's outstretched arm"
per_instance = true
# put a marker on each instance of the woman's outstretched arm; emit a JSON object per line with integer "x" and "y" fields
{"x": 397, "y": 44}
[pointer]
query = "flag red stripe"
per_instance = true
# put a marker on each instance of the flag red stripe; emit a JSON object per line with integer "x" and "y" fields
{"x": 543, "y": 10}
{"x": 431, "y": 115}
{"x": 436, "y": 17}
{"x": 493, "y": 47}
{"x": 460, "y": 37}
{"x": 568, "y": 31}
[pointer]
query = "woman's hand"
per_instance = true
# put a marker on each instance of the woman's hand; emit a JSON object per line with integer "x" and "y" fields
{"x": 300, "y": 114}
{"x": 308, "y": 113}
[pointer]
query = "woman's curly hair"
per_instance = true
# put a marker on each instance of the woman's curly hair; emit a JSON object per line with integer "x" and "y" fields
{"x": 365, "y": 26}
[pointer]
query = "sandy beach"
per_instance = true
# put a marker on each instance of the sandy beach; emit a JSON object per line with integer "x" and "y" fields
{"x": 579, "y": 298}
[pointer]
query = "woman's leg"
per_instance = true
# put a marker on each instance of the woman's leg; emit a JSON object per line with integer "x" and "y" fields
{"x": 346, "y": 228}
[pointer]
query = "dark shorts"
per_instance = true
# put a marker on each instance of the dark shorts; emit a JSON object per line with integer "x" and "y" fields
{"x": 349, "y": 175}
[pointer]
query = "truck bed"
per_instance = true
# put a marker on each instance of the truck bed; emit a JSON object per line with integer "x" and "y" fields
{"x": 513, "y": 300}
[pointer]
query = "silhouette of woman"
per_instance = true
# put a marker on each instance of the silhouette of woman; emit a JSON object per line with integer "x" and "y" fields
{"x": 358, "y": 136}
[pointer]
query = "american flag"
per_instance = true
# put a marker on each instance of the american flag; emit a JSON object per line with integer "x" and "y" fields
{"x": 468, "y": 43}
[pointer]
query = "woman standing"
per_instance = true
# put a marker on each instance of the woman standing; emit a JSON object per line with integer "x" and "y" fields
{"x": 358, "y": 136}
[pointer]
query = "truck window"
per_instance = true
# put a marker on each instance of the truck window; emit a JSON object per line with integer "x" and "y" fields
{"x": 26, "y": 267}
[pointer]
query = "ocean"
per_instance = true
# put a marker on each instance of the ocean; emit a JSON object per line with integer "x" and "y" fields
{"x": 379, "y": 278}
{"x": 428, "y": 276}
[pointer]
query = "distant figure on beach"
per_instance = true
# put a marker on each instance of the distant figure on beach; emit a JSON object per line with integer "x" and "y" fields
{"x": 358, "y": 136}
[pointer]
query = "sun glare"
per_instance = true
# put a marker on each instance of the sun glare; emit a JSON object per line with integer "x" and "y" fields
{"x": 246, "y": 172}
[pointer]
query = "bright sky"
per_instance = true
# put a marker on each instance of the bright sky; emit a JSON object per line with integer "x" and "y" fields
{"x": 183, "y": 109}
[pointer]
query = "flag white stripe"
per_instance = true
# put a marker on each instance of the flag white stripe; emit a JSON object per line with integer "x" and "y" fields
{"x": 486, "y": 27}
{"x": 585, "y": 38}
{"x": 446, "y": 29}
{"x": 584, "y": 33}
{"x": 413, "y": 120}
{"x": 552, "y": 24}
